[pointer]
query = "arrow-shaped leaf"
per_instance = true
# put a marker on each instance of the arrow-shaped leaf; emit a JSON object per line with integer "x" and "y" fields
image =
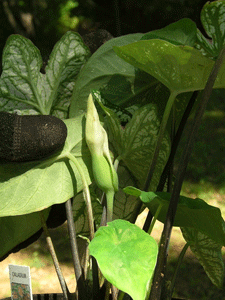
{"x": 180, "y": 68}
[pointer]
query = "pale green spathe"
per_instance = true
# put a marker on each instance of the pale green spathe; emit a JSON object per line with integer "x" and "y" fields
{"x": 97, "y": 141}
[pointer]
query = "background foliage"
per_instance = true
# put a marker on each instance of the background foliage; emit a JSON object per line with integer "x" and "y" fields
{"x": 45, "y": 21}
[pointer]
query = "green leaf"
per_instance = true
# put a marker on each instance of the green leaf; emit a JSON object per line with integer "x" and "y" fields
{"x": 16, "y": 229}
{"x": 179, "y": 68}
{"x": 149, "y": 90}
{"x": 182, "y": 32}
{"x": 22, "y": 86}
{"x": 102, "y": 65}
{"x": 126, "y": 256}
{"x": 117, "y": 95}
{"x": 213, "y": 21}
{"x": 132, "y": 191}
{"x": 34, "y": 186}
{"x": 208, "y": 253}
{"x": 194, "y": 213}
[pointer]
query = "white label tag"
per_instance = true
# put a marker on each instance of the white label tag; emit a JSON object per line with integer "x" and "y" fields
{"x": 20, "y": 281}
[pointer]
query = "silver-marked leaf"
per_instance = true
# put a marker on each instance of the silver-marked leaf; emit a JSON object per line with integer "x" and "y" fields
{"x": 24, "y": 87}
{"x": 204, "y": 45}
{"x": 139, "y": 140}
{"x": 213, "y": 21}
{"x": 195, "y": 213}
{"x": 208, "y": 252}
{"x": 34, "y": 186}
{"x": 21, "y": 80}
{"x": 65, "y": 62}
{"x": 126, "y": 256}
{"x": 124, "y": 204}
{"x": 113, "y": 126}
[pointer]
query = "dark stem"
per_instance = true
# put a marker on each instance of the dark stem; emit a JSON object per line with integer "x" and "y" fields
{"x": 161, "y": 262}
{"x": 175, "y": 144}
{"x": 74, "y": 249}
{"x": 176, "y": 141}
{"x": 96, "y": 286}
{"x": 148, "y": 221}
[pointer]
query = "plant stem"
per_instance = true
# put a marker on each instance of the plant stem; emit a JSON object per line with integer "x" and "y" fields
{"x": 115, "y": 292}
{"x": 165, "y": 118}
{"x": 107, "y": 292}
{"x": 176, "y": 140}
{"x": 148, "y": 221}
{"x": 116, "y": 162}
{"x": 162, "y": 128}
{"x": 174, "y": 147}
{"x": 54, "y": 258}
{"x": 161, "y": 262}
{"x": 109, "y": 202}
{"x": 96, "y": 286}
{"x": 154, "y": 219}
{"x": 180, "y": 259}
{"x": 75, "y": 253}
{"x": 121, "y": 295}
{"x": 86, "y": 192}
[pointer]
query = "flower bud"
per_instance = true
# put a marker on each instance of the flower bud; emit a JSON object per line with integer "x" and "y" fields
{"x": 97, "y": 141}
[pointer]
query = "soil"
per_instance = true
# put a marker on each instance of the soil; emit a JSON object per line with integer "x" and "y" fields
{"x": 44, "y": 278}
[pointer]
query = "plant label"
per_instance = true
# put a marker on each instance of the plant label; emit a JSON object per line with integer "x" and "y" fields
{"x": 20, "y": 281}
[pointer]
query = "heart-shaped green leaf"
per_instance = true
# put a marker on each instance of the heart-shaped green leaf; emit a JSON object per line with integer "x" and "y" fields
{"x": 126, "y": 256}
